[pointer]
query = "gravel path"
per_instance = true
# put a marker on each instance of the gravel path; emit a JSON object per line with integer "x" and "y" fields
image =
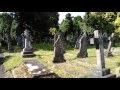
{"x": 2, "y": 71}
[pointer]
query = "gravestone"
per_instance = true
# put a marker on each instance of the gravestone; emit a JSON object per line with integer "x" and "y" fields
{"x": 91, "y": 41}
{"x": 83, "y": 46}
{"x": 9, "y": 41}
{"x": 109, "y": 52}
{"x": 101, "y": 71}
{"x": 77, "y": 43}
{"x": 27, "y": 50}
{"x": 59, "y": 48}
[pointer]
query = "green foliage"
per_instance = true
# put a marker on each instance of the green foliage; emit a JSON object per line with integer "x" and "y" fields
{"x": 5, "y": 23}
{"x": 53, "y": 31}
{"x": 67, "y": 25}
{"x": 103, "y": 21}
{"x": 76, "y": 25}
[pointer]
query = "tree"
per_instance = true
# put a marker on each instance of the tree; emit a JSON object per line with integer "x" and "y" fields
{"x": 67, "y": 25}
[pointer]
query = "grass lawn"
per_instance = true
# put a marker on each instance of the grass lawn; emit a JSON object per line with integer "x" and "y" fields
{"x": 73, "y": 67}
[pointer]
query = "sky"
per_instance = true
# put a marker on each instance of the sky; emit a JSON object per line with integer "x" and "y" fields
{"x": 62, "y": 15}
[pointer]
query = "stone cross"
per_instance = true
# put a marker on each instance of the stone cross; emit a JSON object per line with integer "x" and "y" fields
{"x": 99, "y": 50}
{"x": 101, "y": 71}
{"x": 27, "y": 39}
{"x": 28, "y": 50}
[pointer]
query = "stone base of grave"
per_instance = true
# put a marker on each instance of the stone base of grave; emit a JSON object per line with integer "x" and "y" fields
{"x": 28, "y": 52}
{"x": 108, "y": 54}
{"x": 32, "y": 69}
{"x": 102, "y": 73}
{"x": 58, "y": 60}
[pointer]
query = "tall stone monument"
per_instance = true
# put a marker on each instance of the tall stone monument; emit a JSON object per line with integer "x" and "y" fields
{"x": 59, "y": 48}
{"x": 101, "y": 71}
{"x": 83, "y": 46}
{"x": 27, "y": 50}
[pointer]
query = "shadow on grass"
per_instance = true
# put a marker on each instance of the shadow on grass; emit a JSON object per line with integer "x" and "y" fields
{"x": 5, "y": 59}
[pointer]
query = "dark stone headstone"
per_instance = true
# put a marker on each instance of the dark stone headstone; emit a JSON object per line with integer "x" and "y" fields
{"x": 83, "y": 46}
{"x": 59, "y": 48}
{"x": 101, "y": 71}
{"x": 27, "y": 50}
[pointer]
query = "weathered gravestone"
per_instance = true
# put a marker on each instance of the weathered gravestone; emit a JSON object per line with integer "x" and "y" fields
{"x": 9, "y": 41}
{"x": 83, "y": 46}
{"x": 109, "y": 52}
{"x": 59, "y": 48}
{"x": 77, "y": 43}
{"x": 91, "y": 41}
{"x": 32, "y": 69}
{"x": 27, "y": 50}
{"x": 101, "y": 71}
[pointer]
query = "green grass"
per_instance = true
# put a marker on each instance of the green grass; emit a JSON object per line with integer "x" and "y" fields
{"x": 73, "y": 67}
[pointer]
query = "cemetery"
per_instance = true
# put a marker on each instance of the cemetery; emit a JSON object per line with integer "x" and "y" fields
{"x": 34, "y": 45}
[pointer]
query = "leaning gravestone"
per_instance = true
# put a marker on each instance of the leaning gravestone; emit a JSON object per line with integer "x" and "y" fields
{"x": 77, "y": 43}
{"x": 32, "y": 69}
{"x": 101, "y": 71}
{"x": 108, "y": 52}
{"x": 27, "y": 50}
{"x": 59, "y": 48}
{"x": 83, "y": 46}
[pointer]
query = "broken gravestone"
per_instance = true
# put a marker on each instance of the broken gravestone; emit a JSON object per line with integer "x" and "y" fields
{"x": 83, "y": 46}
{"x": 27, "y": 50}
{"x": 59, "y": 48}
{"x": 101, "y": 71}
{"x": 32, "y": 69}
